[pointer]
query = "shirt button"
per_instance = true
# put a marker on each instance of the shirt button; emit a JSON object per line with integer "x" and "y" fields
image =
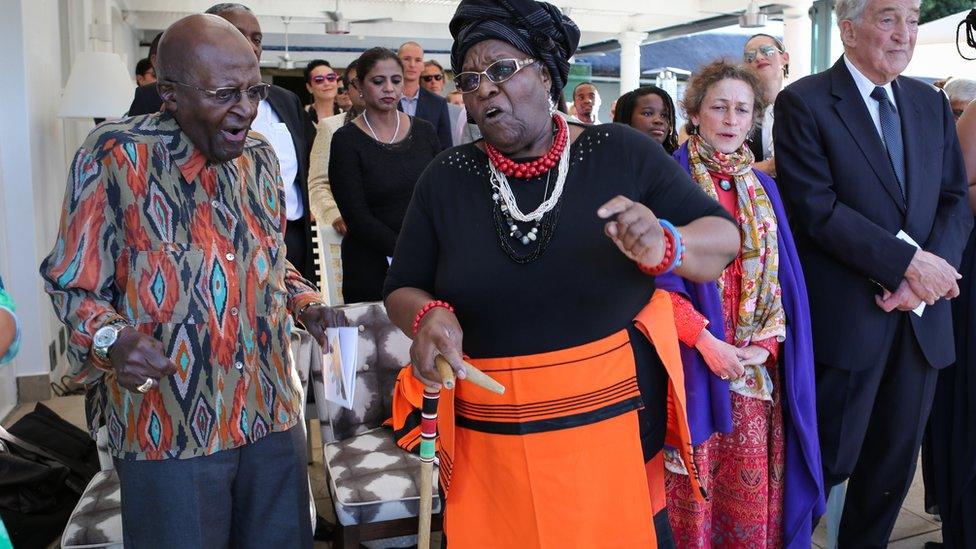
{"x": 229, "y": 256}
{"x": 233, "y": 311}
{"x": 239, "y": 365}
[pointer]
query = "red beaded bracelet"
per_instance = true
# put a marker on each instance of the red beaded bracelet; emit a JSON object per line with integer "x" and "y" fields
{"x": 431, "y": 305}
{"x": 666, "y": 261}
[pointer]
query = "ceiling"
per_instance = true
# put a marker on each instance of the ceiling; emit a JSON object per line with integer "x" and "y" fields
{"x": 424, "y": 21}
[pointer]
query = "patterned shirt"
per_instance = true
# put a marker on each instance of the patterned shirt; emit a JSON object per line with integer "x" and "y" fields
{"x": 192, "y": 254}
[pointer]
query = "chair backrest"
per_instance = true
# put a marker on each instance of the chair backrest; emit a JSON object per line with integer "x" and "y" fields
{"x": 383, "y": 351}
{"x": 330, "y": 270}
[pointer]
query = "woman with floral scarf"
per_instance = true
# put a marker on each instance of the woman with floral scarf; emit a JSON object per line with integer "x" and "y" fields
{"x": 746, "y": 346}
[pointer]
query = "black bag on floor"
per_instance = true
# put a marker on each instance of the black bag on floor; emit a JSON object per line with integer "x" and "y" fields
{"x": 44, "y": 467}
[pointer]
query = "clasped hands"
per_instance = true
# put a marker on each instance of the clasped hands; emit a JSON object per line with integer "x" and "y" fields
{"x": 728, "y": 361}
{"x": 928, "y": 278}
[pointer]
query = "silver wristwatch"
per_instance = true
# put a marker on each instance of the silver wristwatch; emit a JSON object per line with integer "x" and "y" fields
{"x": 104, "y": 338}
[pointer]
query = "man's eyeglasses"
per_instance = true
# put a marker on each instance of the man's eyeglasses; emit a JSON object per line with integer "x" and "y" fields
{"x": 767, "y": 51}
{"x": 319, "y": 78}
{"x": 230, "y": 94}
{"x": 497, "y": 72}
{"x": 429, "y": 77}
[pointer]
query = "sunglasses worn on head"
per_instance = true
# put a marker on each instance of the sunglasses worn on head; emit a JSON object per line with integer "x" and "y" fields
{"x": 429, "y": 77}
{"x": 230, "y": 94}
{"x": 319, "y": 78}
{"x": 767, "y": 51}
{"x": 497, "y": 72}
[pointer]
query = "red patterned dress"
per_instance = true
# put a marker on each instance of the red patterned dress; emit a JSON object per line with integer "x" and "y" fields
{"x": 742, "y": 470}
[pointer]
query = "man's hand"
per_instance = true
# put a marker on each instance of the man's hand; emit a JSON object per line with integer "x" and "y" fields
{"x": 340, "y": 226}
{"x": 931, "y": 278}
{"x": 317, "y": 317}
{"x": 136, "y": 357}
{"x": 903, "y": 299}
{"x": 635, "y": 230}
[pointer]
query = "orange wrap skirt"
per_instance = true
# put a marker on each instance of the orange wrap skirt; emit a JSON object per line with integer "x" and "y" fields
{"x": 554, "y": 462}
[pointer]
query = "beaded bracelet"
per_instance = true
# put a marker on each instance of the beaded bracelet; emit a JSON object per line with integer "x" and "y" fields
{"x": 679, "y": 242}
{"x": 431, "y": 305}
{"x": 673, "y": 252}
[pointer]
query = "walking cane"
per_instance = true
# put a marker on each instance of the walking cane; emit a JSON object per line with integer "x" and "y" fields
{"x": 428, "y": 434}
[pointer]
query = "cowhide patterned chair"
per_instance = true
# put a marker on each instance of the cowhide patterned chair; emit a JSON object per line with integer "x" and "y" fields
{"x": 372, "y": 481}
{"x": 97, "y": 518}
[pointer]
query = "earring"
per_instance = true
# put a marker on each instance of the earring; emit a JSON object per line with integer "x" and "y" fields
{"x": 552, "y": 106}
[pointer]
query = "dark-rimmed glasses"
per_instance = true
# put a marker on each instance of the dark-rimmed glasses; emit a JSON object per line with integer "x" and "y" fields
{"x": 319, "y": 78}
{"x": 230, "y": 94}
{"x": 497, "y": 72}
{"x": 767, "y": 50}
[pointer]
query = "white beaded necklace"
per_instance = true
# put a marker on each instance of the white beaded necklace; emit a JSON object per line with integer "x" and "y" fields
{"x": 500, "y": 183}
{"x": 395, "y": 132}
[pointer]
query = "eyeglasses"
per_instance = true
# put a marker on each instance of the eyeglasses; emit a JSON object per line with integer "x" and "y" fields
{"x": 429, "y": 77}
{"x": 230, "y": 94}
{"x": 767, "y": 51}
{"x": 497, "y": 72}
{"x": 319, "y": 78}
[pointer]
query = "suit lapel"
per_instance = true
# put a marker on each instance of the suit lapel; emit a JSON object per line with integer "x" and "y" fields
{"x": 855, "y": 116}
{"x": 911, "y": 130}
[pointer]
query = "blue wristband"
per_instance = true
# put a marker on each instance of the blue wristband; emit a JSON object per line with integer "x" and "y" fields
{"x": 679, "y": 245}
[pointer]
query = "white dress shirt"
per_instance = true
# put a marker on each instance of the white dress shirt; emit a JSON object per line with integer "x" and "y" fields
{"x": 268, "y": 124}
{"x": 866, "y": 87}
{"x": 409, "y": 104}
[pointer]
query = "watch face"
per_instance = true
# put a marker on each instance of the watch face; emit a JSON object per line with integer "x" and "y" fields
{"x": 105, "y": 337}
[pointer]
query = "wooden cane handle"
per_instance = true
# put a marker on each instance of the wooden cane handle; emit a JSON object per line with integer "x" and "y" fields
{"x": 474, "y": 375}
{"x": 447, "y": 373}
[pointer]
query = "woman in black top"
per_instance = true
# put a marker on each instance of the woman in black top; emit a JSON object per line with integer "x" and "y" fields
{"x": 374, "y": 165}
{"x": 541, "y": 266}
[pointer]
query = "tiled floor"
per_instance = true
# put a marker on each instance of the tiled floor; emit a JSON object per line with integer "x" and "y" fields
{"x": 913, "y": 529}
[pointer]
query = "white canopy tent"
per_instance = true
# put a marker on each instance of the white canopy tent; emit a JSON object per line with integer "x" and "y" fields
{"x": 936, "y": 56}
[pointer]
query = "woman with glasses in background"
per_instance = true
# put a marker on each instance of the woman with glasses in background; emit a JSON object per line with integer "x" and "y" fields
{"x": 649, "y": 110}
{"x": 539, "y": 241}
{"x": 322, "y": 81}
{"x": 767, "y": 56}
{"x": 374, "y": 164}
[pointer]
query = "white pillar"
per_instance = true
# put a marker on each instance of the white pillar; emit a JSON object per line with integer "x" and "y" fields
{"x": 797, "y": 36}
{"x": 630, "y": 42}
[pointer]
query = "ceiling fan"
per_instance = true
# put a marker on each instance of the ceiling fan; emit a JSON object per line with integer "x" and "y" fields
{"x": 338, "y": 25}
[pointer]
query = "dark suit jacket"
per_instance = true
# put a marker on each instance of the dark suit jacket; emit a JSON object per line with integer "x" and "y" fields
{"x": 433, "y": 108}
{"x": 146, "y": 100}
{"x": 846, "y": 208}
{"x": 289, "y": 109}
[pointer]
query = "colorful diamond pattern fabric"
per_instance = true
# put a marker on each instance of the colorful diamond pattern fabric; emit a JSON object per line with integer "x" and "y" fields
{"x": 192, "y": 254}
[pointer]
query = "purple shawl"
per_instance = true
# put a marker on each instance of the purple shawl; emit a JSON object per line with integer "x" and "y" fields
{"x": 709, "y": 400}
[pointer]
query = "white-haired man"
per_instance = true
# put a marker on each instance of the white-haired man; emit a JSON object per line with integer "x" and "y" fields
{"x": 869, "y": 163}
{"x": 961, "y": 92}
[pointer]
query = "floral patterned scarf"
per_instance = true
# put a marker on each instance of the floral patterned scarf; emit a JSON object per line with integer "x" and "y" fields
{"x": 761, "y": 313}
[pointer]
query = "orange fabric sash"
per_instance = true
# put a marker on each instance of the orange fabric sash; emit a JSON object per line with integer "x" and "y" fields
{"x": 557, "y": 460}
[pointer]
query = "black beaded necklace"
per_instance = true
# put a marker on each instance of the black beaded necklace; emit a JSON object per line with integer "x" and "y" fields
{"x": 509, "y": 232}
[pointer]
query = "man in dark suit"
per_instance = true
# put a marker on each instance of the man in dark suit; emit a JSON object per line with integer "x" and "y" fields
{"x": 417, "y": 101}
{"x": 868, "y": 159}
{"x": 147, "y": 99}
{"x": 282, "y": 120}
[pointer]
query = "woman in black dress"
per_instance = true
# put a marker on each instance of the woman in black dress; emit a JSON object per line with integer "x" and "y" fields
{"x": 374, "y": 165}
{"x": 540, "y": 242}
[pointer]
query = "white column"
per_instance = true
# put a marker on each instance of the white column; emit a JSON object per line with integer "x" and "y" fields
{"x": 630, "y": 42}
{"x": 797, "y": 35}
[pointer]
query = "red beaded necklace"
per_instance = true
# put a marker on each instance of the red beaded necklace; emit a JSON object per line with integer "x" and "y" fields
{"x": 537, "y": 167}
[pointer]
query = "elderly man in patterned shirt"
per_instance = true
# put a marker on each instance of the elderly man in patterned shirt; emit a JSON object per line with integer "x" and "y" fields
{"x": 170, "y": 272}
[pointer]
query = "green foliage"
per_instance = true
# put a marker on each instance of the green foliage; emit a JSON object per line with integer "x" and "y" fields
{"x": 937, "y": 9}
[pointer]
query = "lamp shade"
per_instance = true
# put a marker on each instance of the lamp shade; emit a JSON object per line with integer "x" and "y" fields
{"x": 99, "y": 87}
